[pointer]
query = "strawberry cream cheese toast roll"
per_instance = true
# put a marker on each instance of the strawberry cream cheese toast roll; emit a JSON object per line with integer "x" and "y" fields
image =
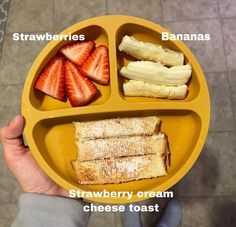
{"x": 117, "y": 127}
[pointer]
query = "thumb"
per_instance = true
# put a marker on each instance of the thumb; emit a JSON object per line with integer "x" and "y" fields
{"x": 11, "y": 134}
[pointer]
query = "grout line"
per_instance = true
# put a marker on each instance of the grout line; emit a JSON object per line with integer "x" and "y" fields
{"x": 106, "y": 6}
{"x": 223, "y": 41}
{"x": 5, "y": 30}
{"x": 232, "y": 98}
{"x": 227, "y": 65}
{"x": 13, "y": 84}
{"x": 232, "y": 17}
{"x": 207, "y": 196}
{"x": 53, "y": 15}
{"x": 218, "y": 8}
{"x": 220, "y": 131}
{"x": 30, "y": 32}
{"x": 192, "y": 20}
{"x": 206, "y": 72}
{"x": 162, "y": 13}
{"x": 115, "y": 218}
{"x": 10, "y": 203}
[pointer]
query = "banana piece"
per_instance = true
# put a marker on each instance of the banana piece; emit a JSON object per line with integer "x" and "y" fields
{"x": 141, "y": 88}
{"x": 156, "y": 73}
{"x": 150, "y": 52}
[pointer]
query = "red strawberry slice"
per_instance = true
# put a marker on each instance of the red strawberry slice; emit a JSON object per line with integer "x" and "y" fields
{"x": 51, "y": 80}
{"x": 96, "y": 66}
{"x": 78, "y": 52}
{"x": 79, "y": 89}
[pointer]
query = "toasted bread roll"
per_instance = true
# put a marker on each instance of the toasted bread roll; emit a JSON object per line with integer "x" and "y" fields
{"x": 120, "y": 146}
{"x": 109, "y": 171}
{"x": 118, "y": 127}
{"x": 119, "y": 150}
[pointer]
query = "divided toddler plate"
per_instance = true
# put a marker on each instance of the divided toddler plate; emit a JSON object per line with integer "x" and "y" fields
{"x": 49, "y": 130}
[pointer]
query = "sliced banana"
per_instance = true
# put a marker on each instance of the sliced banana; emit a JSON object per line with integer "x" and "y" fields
{"x": 150, "y": 52}
{"x": 156, "y": 73}
{"x": 141, "y": 88}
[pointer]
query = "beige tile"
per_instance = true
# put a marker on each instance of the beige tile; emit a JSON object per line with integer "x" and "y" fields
{"x": 214, "y": 173}
{"x": 7, "y": 214}
{"x": 209, "y": 212}
{"x": 221, "y": 106}
{"x": 10, "y": 98}
{"x": 102, "y": 219}
{"x": 178, "y": 10}
{"x": 150, "y": 10}
{"x": 69, "y": 12}
{"x": 229, "y": 32}
{"x": 17, "y": 58}
{"x": 9, "y": 189}
{"x": 227, "y": 8}
{"x": 210, "y": 54}
{"x": 30, "y": 16}
{"x": 7, "y": 113}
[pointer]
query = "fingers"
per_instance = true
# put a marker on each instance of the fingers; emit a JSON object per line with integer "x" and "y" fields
{"x": 11, "y": 134}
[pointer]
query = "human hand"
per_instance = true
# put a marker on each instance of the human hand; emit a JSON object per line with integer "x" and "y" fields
{"x": 19, "y": 160}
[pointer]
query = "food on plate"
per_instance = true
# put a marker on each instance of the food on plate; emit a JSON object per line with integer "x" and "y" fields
{"x": 156, "y": 73}
{"x": 96, "y": 67}
{"x": 110, "y": 171}
{"x": 119, "y": 150}
{"x": 117, "y": 127}
{"x": 80, "y": 64}
{"x": 78, "y": 52}
{"x": 122, "y": 146}
{"x": 141, "y": 88}
{"x": 79, "y": 89}
{"x": 150, "y": 77}
{"x": 150, "y": 52}
{"x": 51, "y": 79}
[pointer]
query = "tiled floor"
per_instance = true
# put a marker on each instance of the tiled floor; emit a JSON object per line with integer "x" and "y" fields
{"x": 207, "y": 192}
{"x": 4, "y": 6}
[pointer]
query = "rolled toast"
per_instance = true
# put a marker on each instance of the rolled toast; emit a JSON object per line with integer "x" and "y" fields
{"x": 119, "y": 150}
{"x": 117, "y": 127}
{"x": 110, "y": 171}
{"x": 116, "y": 147}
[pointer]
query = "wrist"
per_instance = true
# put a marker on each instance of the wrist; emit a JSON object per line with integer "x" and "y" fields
{"x": 52, "y": 191}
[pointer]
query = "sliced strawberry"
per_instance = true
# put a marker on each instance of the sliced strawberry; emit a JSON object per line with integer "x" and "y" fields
{"x": 78, "y": 52}
{"x": 96, "y": 66}
{"x": 51, "y": 80}
{"x": 79, "y": 89}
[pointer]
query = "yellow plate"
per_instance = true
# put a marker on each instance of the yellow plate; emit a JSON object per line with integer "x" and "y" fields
{"x": 49, "y": 131}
